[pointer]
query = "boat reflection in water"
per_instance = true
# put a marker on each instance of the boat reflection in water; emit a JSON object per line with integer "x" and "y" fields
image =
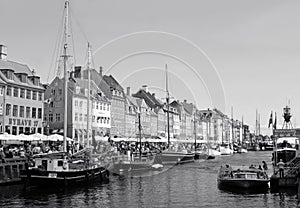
{"x": 249, "y": 179}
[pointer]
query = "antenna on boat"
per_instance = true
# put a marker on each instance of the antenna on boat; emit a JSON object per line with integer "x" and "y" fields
{"x": 168, "y": 105}
{"x": 65, "y": 59}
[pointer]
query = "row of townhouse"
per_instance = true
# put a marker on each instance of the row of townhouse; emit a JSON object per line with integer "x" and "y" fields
{"x": 115, "y": 113}
{"x": 21, "y": 97}
{"x": 27, "y": 106}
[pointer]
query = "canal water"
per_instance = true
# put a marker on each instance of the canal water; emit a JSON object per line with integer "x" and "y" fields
{"x": 188, "y": 185}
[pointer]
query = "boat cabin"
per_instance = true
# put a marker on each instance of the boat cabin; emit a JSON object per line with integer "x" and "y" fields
{"x": 51, "y": 162}
{"x": 245, "y": 175}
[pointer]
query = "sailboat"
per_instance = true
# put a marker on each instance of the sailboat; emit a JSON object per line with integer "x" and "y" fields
{"x": 225, "y": 149}
{"x": 61, "y": 168}
{"x": 200, "y": 154}
{"x": 131, "y": 163}
{"x": 173, "y": 156}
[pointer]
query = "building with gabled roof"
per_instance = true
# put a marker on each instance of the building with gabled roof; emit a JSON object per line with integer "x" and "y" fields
{"x": 99, "y": 115}
{"x": 21, "y": 97}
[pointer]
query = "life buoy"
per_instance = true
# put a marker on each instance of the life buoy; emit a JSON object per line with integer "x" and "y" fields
{"x": 65, "y": 164}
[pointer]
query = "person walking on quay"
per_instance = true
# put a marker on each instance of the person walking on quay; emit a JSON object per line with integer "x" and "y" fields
{"x": 281, "y": 168}
{"x": 265, "y": 166}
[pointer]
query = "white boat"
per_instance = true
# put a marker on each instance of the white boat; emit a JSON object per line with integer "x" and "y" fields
{"x": 226, "y": 150}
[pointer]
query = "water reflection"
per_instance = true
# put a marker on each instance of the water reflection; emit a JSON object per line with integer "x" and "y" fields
{"x": 189, "y": 185}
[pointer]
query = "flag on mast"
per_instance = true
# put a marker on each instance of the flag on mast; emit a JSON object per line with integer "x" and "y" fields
{"x": 271, "y": 119}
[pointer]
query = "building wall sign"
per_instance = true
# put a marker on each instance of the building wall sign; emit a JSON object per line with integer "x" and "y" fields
{"x": 284, "y": 133}
{"x": 22, "y": 122}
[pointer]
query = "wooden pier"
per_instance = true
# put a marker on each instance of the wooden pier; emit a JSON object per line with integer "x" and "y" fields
{"x": 10, "y": 170}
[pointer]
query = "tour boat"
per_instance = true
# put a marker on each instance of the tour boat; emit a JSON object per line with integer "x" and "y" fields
{"x": 171, "y": 156}
{"x": 135, "y": 162}
{"x": 242, "y": 179}
{"x": 62, "y": 169}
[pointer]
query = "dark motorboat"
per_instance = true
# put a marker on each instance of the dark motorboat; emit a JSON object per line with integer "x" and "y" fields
{"x": 242, "y": 179}
{"x": 60, "y": 169}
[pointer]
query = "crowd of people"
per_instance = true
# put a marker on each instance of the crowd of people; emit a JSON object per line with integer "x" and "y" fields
{"x": 29, "y": 149}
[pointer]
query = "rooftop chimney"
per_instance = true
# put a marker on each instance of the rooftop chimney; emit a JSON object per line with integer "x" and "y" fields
{"x": 145, "y": 87}
{"x": 100, "y": 71}
{"x": 128, "y": 91}
{"x": 3, "y": 52}
{"x": 77, "y": 72}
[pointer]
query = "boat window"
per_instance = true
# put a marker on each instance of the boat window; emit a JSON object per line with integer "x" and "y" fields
{"x": 240, "y": 175}
{"x": 251, "y": 176}
{"x": 60, "y": 163}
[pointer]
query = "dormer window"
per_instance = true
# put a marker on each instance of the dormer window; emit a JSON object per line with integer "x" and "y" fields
{"x": 8, "y": 73}
{"x": 22, "y": 77}
{"x": 35, "y": 80}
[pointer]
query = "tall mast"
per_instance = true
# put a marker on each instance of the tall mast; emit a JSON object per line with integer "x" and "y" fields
{"x": 232, "y": 124}
{"x": 222, "y": 129}
{"x": 195, "y": 130}
{"x": 256, "y": 122}
{"x": 65, "y": 58}
{"x": 168, "y": 107}
{"x": 140, "y": 133}
{"x": 89, "y": 93}
{"x": 242, "y": 130}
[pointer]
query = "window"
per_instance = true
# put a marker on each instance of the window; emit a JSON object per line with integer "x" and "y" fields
{"x": 33, "y": 113}
{"x": 16, "y": 92}
{"x": 7, "y": 129}
{"x": 104, "y": 106}
{"x": 21, "y": 130}
{"x": 21, "y": 111}
{"x": 34, "y": 95}
{"x": 57, "y": 117}
{"x": 8, "y": 91}
{"x": 50, "y": 117}
{"x": 60, "y": 91}
{"x": 97, "y": 106}
{"x": 15, "y": 110}
{"x": 80, "y": 104}
{"x": 80, "y": 117}
{"x": 14, "y": 130}
{"x": 107, "y": 107}
{"x": 27, "y": 112}
{"x": 100, "y": 106}
{"x": 1, "y": 91}
{"x": 28, "y": 94}
{"x": 76, "y": 116}
{"x": 53, "y": 92}
{"x": 40, "y": 96}
{"x": 76, "y": 102}
{"x": 39, "y": 113}
{"x": 22, "y": 93}
{"x": 8, "y": 109}
{"x": 60, "y": 163}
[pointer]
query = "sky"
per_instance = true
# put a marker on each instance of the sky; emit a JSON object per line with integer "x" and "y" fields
{"x": 241, "y": 54}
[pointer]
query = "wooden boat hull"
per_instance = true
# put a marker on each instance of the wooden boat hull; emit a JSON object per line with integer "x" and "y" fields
{"x": 63, "y": 178}
{"x": 173, "y": 158}
{"x": 243, "y": 183}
